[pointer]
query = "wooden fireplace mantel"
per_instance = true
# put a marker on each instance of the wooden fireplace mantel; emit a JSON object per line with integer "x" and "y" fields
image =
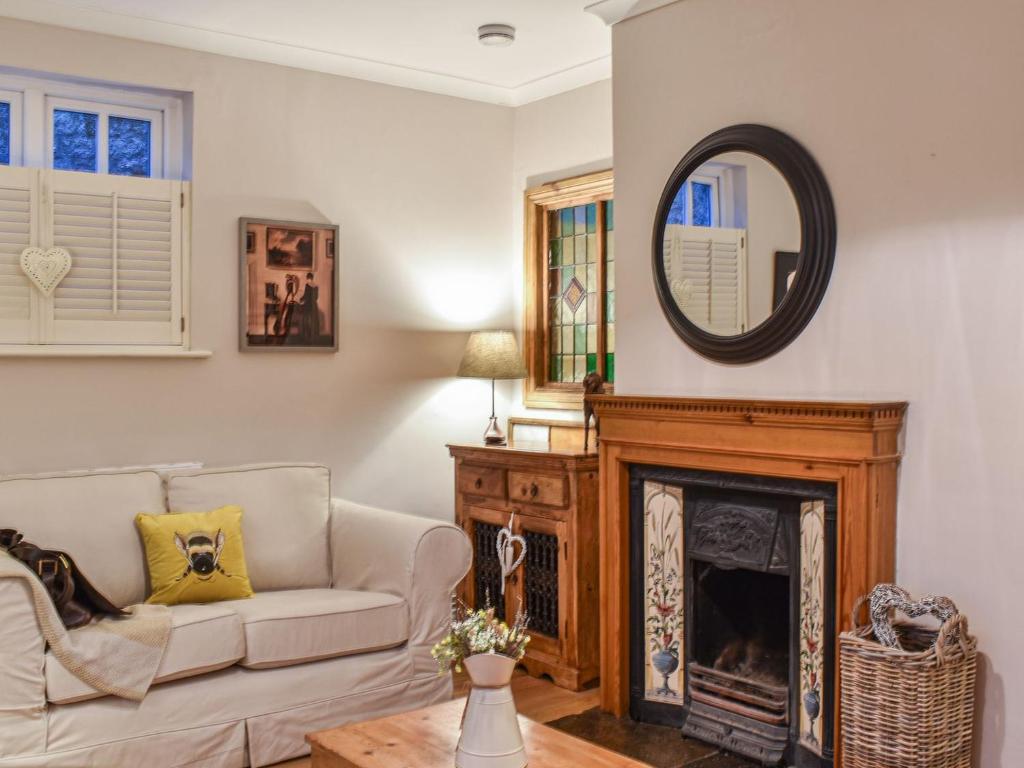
{"x": 852, "y": 444}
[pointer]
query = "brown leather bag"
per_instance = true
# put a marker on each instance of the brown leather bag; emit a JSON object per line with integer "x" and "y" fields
{"x": 75, "y": 599}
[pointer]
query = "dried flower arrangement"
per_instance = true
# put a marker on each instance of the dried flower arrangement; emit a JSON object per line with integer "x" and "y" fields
{"x": 474, "y": 632}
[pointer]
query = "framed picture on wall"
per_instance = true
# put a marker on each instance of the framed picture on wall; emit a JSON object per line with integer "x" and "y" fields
{"x": 288, "y": 286}
{"x": 785, "y": 271}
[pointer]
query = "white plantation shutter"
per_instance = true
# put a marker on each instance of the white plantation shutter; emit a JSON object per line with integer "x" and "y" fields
{"x": 706, "y": 270}
{"x": 128, "y": 242}
{"x": 125, "y": 239}
{"x": 19, "y": 208}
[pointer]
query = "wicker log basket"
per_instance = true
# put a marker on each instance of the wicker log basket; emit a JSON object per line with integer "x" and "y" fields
{"x": 910, "y": 706}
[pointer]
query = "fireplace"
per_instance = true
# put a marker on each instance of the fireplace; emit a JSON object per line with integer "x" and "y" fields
{"x": 825, "y": 469}
{"x": 731, "y": 584}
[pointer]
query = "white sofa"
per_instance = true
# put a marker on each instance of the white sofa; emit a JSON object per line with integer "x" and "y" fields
{"x": 349, "y": 601}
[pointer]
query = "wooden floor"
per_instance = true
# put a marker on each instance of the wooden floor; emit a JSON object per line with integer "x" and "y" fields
{"x": 536, "y": 698}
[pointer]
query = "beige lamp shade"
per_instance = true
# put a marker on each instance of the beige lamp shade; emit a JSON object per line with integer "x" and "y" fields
{"x": 492, "y": 355}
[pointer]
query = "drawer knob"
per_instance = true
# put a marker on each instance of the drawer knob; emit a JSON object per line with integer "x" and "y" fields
{"x": 533, "y": 490}
{"x": 479, "y": 483}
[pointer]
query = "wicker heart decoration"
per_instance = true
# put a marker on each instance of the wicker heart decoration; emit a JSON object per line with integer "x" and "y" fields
{"x": 506, "y": 552}
{"x": 887, "y": 597}
{"x": 45, "y": 268}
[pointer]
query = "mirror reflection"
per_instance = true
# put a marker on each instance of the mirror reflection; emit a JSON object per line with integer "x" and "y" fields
{"x": 732, "y": 238}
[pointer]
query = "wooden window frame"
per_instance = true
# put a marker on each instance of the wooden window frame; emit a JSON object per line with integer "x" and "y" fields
{"x": 539, "y": 391}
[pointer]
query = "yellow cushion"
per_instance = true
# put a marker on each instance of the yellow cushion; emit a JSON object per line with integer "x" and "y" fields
{"x": 195, "y": 557}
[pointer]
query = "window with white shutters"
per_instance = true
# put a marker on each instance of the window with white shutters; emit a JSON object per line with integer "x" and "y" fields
{"x": 706, "y": 269}
{"x": 128, "y": 246}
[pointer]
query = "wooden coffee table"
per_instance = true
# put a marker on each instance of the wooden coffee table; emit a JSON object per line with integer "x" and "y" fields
{"x": 426, "y": 738}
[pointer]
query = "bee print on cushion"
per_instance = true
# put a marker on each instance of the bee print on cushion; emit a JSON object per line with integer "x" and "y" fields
{"x": 201, "y": 551}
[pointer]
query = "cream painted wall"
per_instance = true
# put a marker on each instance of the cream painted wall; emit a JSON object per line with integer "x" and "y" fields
{"x": 419, "y": 185}
{"x": 556, "y": 138}
{"x": 910, "y": 109}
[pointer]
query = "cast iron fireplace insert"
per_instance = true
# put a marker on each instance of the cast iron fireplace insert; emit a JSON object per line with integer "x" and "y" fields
{"x": 744, "y": 675}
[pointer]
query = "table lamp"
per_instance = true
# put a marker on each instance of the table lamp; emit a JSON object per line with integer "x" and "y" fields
{"x": 492, "y": 355}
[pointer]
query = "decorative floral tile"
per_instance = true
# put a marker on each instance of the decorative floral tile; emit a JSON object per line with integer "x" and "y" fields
{"x": 663, "y": 579}
{"x": 812, "y": 622}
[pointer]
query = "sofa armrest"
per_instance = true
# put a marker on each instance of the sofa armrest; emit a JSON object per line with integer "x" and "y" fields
{"x": 22, "y": 677}
{"x": 419, "y": 559}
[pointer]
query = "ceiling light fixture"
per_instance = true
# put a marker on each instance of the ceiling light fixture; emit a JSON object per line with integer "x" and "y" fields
{"x": 496, "y": 34}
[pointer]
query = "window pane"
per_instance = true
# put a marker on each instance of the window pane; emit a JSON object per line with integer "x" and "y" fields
{"x": 701, "y": 204}
{"x": 74, "y": 140}
{"x": 571, "y": 294}
{"x": 130, "y": 146}
{"x": 677, "y": 211}
{"x": 609, "y": 276}
{"x": 5, "y": 133}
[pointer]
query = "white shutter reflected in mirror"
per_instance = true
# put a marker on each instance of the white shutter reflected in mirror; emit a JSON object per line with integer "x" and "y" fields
{"x": 125, "y": 238}
{"x": 19, "y": 192}
{"x": 706, "y": 272}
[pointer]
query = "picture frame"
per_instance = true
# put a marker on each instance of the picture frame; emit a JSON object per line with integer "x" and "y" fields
{"x": 288, "y": 286}
{"x": 784, "y": 272}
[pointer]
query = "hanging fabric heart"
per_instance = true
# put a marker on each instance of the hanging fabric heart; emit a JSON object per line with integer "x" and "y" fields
{"x": 506, "y": 551}
{"x": 45, "y": 268}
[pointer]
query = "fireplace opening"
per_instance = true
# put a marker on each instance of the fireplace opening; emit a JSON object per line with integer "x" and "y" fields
{"x": 731, "y": 580}
{"x": 742, "y": 623}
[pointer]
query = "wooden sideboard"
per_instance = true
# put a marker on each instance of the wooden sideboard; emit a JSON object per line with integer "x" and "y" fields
{"x": 554, "y": 495}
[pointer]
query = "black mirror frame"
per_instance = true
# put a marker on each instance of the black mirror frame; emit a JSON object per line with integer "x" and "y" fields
{"x": 817, "y": 244}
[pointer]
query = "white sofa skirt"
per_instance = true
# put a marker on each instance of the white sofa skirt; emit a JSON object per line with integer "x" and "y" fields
{"x": 236, "y": 717}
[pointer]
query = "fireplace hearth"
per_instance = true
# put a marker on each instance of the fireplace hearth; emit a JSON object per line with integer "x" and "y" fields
{"x": 732, "y": 584}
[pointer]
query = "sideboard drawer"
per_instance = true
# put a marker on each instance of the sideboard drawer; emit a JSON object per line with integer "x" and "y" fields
{"x": 482, "y": 481}
{"x": 550, "y": 490}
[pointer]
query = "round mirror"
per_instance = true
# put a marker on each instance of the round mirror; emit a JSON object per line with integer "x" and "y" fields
{"x": 743, "y": 243}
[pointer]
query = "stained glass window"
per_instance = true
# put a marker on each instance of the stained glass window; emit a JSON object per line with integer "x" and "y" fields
{"x": 577, "y": 256}
{"x": 609, "y": 276}
{"x": 74, "y": 140}
{"x": 5, "y": 133}
{"x": 129, "y": 142}
{"x": 570, "y": 273}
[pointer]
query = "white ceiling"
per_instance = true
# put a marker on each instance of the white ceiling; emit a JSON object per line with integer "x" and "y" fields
{"x": 426, "y": 44}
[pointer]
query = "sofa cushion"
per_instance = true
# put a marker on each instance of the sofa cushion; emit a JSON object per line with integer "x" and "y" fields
{"x": 89, "y": 515}
{"x": 298, "y": 625}
{"x": 284, "y": 522}
{"x": 195, "y": 557}
{"x": 203, "y": 638}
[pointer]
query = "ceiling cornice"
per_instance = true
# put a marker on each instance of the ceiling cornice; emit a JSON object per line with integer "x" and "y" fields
{"x": 286, "y": 54}
{"x": 614, "y": 11}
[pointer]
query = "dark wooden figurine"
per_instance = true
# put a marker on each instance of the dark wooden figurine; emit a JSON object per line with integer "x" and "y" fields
{"x": 593, "y": 384}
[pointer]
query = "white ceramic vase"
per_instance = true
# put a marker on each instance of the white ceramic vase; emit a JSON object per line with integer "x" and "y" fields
{"x": 490, "y": 729}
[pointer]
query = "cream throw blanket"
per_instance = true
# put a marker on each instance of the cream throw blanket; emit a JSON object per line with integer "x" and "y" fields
{"x": 115, "y": 655}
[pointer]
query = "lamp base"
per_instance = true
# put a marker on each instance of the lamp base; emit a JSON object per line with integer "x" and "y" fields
{"x": 493, "y": 435}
